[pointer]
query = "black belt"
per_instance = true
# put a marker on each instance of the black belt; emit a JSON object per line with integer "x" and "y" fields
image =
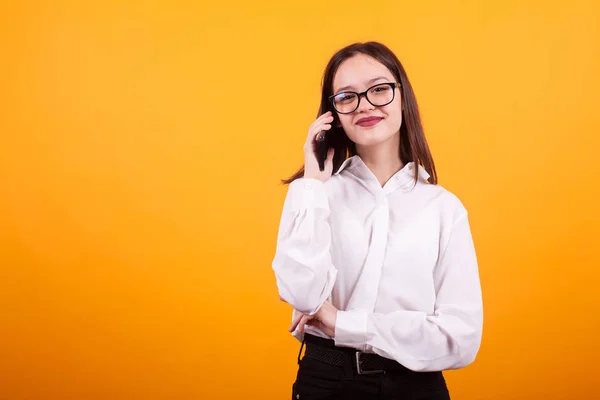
{"x": 363, "y": 363}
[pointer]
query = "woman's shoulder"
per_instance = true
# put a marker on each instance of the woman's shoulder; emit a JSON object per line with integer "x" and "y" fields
{"x": 447, "y": 201}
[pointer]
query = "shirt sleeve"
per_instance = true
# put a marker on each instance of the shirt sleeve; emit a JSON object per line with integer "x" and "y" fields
{"x": 302, "y": 263}
{"x": 448, "y": 339}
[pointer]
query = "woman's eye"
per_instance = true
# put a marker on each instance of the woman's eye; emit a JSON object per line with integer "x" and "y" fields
{"x": 347, "y": 97}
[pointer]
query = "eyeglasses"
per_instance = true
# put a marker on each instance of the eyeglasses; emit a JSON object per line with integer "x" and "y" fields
{"x": 379, "y": 95}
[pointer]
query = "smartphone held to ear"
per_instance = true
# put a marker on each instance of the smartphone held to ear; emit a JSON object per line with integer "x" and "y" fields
{"x": 326, "y": 139}
{"x": 321, "y": 148}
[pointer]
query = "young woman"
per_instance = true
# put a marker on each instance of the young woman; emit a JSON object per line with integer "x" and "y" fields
{"x": 374, "y": 256}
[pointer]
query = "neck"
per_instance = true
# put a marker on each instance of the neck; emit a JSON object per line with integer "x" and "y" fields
{"x": 382, "y": 159}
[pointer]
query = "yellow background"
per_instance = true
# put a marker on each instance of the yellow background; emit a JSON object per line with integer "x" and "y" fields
{"x": 141, "y": 150}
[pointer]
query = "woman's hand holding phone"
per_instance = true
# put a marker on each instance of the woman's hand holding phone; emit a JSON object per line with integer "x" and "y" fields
{"x": 311, "y": 164}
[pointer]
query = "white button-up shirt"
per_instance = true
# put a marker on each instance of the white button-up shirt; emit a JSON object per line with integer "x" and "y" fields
{"x": 398, "y": 261}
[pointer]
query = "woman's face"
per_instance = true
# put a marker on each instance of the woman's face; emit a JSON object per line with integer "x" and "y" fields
{"x": 368, "y": 125}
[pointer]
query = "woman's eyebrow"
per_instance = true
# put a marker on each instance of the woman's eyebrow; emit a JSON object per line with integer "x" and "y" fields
{"x": 368, "y": 82}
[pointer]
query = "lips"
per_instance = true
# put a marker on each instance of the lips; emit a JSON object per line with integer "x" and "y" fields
{"x": 368, "y": 121}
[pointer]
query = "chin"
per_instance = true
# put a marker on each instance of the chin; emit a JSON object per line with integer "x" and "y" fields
{"x": 370, "y": 137}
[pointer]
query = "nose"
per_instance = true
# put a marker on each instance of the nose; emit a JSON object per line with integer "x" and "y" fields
{"x": 363, "y": 104}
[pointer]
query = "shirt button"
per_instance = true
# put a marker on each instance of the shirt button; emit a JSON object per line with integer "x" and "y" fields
{"x": 309, "y": 185}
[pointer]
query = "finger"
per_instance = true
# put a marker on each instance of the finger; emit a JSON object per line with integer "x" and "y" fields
{"x": 317, "y": 124}
{"x": 327, "y": 118}
{"x": 316, "y": 324}
{"x": 325, "y": 115}
{"x": 321, "y": 326}
{"x": 325, "y": 127}
{"x": 302, "y": 323}
{"x": 316, "y": 136}
{"x": 305, "y": 320}
{"x": 316, "y": 130}
{"x": 295, "y": 322}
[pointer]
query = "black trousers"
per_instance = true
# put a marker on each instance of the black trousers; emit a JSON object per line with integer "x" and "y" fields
{"x": 320, "y": 378}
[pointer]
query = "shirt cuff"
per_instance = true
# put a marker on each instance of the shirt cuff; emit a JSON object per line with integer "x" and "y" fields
{"x": 308, "y": 193}
{"x": 351, "y": 329}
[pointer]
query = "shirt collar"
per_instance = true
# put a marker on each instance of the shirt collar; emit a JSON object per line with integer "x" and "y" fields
{"x": 355, "y": 165}
{"x": 345, "y": 164}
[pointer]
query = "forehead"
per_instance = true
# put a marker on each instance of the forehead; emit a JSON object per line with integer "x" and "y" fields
{"x": 359, "y": 69}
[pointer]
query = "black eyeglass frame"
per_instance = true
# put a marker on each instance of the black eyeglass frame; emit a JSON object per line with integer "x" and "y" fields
{"x": 393, "y": 85}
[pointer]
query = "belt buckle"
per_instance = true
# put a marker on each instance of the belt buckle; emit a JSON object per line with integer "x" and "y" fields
{"x": 359, "y": 369}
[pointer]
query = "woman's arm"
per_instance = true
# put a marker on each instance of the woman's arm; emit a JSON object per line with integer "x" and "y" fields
{"x": 302, "y": 263}
{"x": 448, "y": 339}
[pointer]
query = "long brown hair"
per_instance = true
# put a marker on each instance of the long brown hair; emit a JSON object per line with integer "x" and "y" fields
{"x": 413, "y": 145}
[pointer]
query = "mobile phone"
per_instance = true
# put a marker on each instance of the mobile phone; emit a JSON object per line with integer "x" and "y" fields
{"x": 324, "y": 141}
{"x": 322, "y": 145}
